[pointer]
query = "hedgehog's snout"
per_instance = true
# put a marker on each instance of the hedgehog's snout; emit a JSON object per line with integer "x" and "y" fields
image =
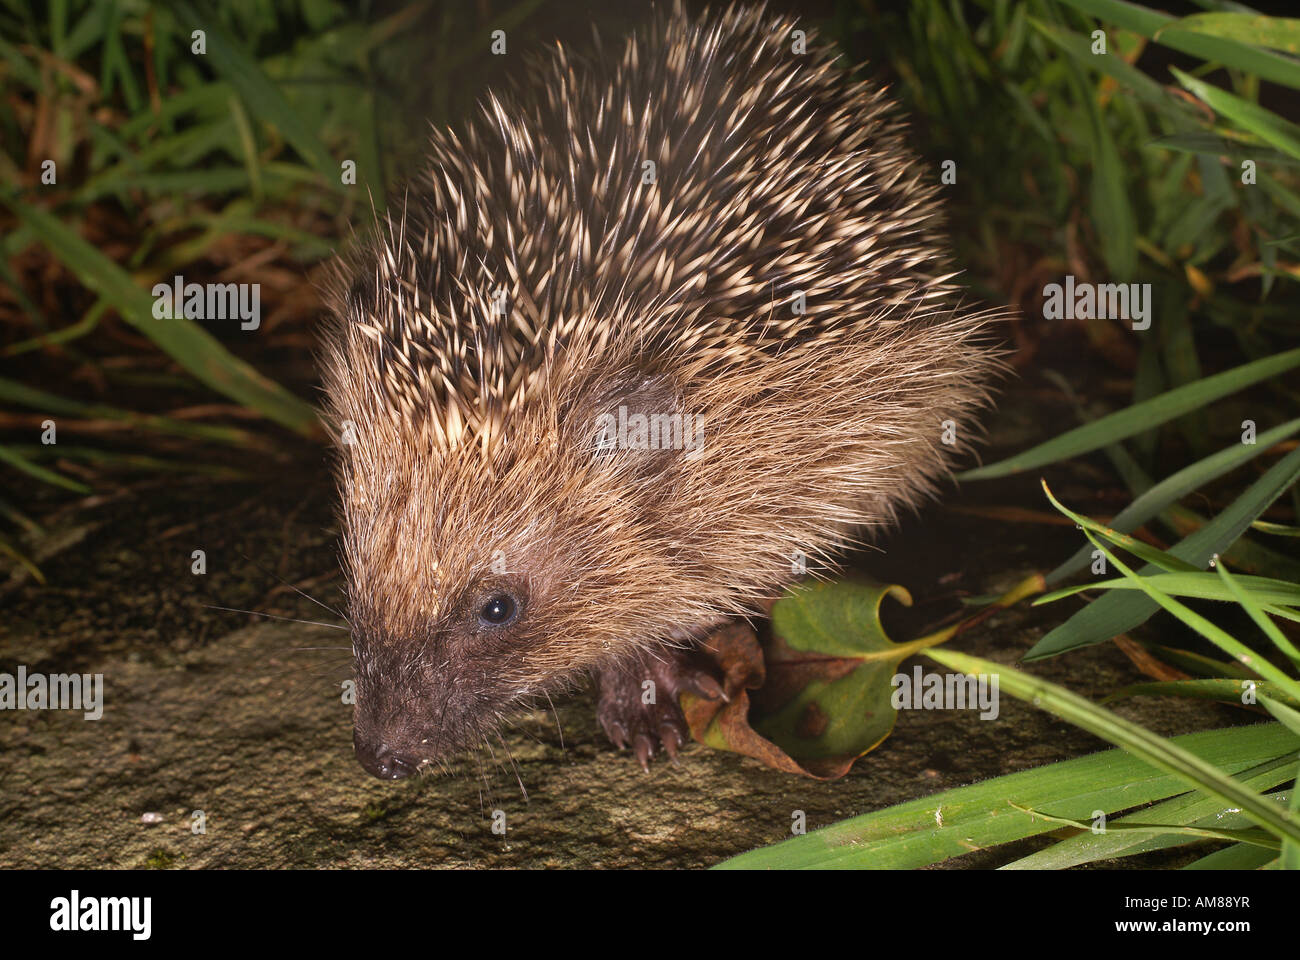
{"x": 381, "y": 760}
{"x": 401, "y": 746}
{"x": 387, "y": 750}
{"x": 409, "y": 711}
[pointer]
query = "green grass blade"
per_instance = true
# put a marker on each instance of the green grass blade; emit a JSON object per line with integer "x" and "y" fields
{"x": 1243, "y": 553}
{"x": 1210, "y": 145}
{"x": 132, "y": 461}
{"x": 1109, "y": 202}
{"x": 182, "y": 339}
{"x": 1080, "y": 48}
{"x": 20, "y": 558}
{"x": 1140, "y": 416}
{"x": 1283, "y": 713}
{"x": 1275, "y": 33}
{"x": 19, "y": 462}
{"x": 259, "y": 93}
{"x": 1163, "y": 29}
{"x": 1277, "y": 529}
{"x": 20, "y": 68}
{"x": 1253, "y": 601}
{"x": 1197, "y": 664}
{"x": 1153, "y": 555}
{"x": 1263, "y": 123}
{"x": 1156, "y": 830}
{"x": 1205, "y": 586}
{"x": 1240, "y": 856}
{"x": 1229, "y": 644}
{"x": 1177, "y": 486}
{"x": 1165, "y": 755}
{"x": 956, "y": 822}
{"x": 248, "y": 145}
{"x": 1117, "y": 613}
{"x": 1219, "y": 689}
{"x": 1289, "y": 718}
{"x": 14, "y": 392}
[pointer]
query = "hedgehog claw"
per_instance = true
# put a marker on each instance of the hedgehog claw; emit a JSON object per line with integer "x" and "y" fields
{"x": 617, "y": 735}
{"x": 630, "y": 719}
{"x": 672, "y": 741}
{"x": 645, "y": 748}
{"x": 705, "y": 686}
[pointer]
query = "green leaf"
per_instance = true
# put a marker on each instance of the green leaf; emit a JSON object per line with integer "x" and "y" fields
{"x": 830, "y": 665}
{"x": 827, "y": 618}
{"x": 1140, "y": 416}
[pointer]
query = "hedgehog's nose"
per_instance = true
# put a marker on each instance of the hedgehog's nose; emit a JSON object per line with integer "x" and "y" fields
{"x": 382, "y": 761}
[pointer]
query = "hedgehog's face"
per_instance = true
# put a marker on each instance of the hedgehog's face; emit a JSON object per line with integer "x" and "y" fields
{"x": 476, "y": 588}
{"x": 431, "y": 689}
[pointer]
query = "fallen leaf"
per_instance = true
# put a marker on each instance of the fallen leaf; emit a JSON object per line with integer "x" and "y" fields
{"x": 822, "y": 687}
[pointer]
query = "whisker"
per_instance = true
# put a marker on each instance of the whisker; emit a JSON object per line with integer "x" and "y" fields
{"x": 272, "y": 616}
{"x": 318, "y": 671}
{"x": 323, "y": 606}
{"x": 556, "y": 714}
{"x": 505, "y": 746}
{"x": 482, "y": 782}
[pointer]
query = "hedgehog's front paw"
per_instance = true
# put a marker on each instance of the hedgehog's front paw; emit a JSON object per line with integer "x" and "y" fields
{"x": 638, "y": 700}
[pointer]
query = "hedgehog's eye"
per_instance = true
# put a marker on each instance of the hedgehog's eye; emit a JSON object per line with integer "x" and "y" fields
{"x": 499, "y": 610}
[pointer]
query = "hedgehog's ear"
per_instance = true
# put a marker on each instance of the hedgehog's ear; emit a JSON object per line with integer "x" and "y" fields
{"x": 635, "y": 422}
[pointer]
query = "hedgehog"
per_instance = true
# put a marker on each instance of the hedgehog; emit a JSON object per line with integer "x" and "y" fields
{"x": 658, "y": 324}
